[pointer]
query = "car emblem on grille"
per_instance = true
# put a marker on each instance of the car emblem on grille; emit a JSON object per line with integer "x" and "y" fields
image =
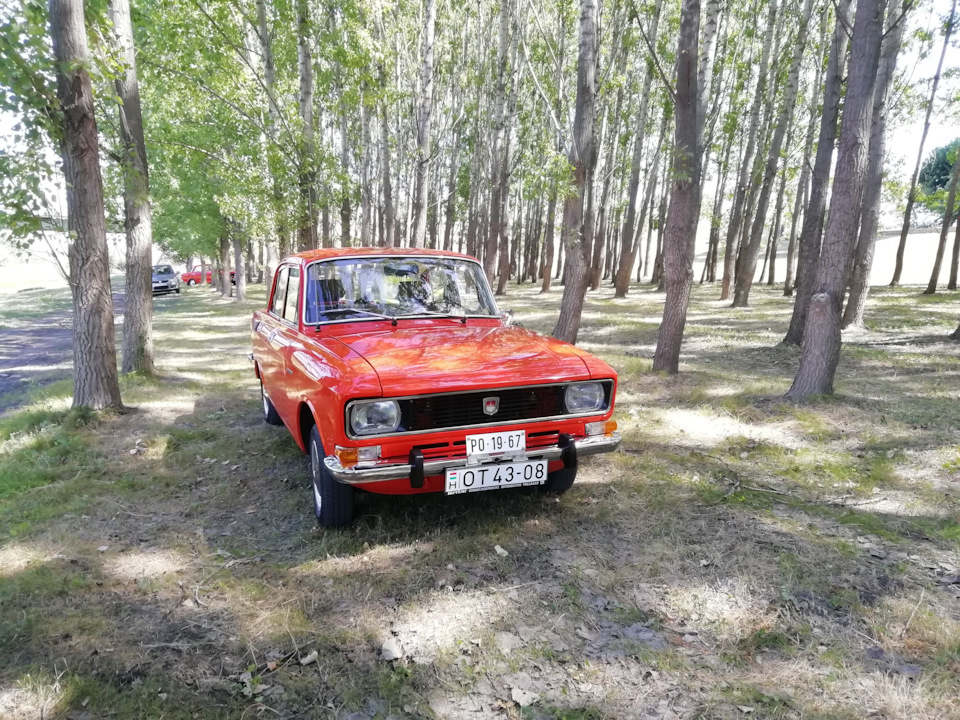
{"x": 491, "y": 405}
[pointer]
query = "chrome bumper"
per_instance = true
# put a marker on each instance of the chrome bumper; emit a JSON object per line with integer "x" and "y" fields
{"x": 400, "y": 471}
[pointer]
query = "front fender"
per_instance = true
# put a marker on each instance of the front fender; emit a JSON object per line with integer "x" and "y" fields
{"x": 329, "y": 374}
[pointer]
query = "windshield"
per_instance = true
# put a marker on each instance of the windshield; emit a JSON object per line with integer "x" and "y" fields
{"x": 378, "y": 287}
{"x": 163, "y": 270}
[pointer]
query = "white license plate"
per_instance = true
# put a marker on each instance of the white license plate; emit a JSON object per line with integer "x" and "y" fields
{"x": 498, "y": 443}
{"x": 495, "y": 476}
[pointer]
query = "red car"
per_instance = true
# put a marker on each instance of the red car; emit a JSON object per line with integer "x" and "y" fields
{"x": 395, "y": 371}
{"x": 193, "y": 277}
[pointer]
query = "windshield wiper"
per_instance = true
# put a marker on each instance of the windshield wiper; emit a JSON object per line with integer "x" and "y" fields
{"x": 369, "y": 313}
{"x": 461, "y": 318}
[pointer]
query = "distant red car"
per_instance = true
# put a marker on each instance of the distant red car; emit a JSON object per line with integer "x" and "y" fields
{"x": 395, "y": 371}
{"x": 193, "y": 277}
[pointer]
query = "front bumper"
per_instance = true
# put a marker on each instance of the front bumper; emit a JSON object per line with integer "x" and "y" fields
{"x": 398, "y": 471}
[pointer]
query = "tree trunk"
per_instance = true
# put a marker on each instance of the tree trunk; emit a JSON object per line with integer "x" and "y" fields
{"x": 325, "y": 225}
{"x": 279, "y": 202}
{"x": 307, "y": 230}
{"x": 813, "y": 218}
{"x": 203, "y": 270}
{"x": 546, "y": 271}
{"x": 680, "y": 233}
{"x": 863, "y": 262}
{"x": 451, "y": 204}
{"x": 95, "y": 381}
{"x": 716, "y": 220}
{"x": 948, "y": 217}
{"x": 240, "y": 286}
{"x": 225, "y": 285}
{"x": 346, "y": 208}
{"x": 609, "y": 170}
{"x": 821, "y": 338}
{"x": 748, "y": 267}
{"x": 628, "y": 253}
{"x": 955, "y": 258}
{"x": 804, "y": 179}
{"x": 496, "y": 159}
{"x": 424, "y": 115}
{"x": 138, "y": 223}
{"x": 743, "y": 183}
{"x": 505, "y": 170}
{"x": 955, "y": 335}
{"x": 777, "y": 226}
{"x": 366, "y": 194}
{"x": 912, "y": 193}
{"x": 582, "y": 158}
{"x": 389, "y": 221}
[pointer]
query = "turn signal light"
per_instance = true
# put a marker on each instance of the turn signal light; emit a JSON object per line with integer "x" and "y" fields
{"x": 350, "y": 456}
{"x": 607, "y": 427}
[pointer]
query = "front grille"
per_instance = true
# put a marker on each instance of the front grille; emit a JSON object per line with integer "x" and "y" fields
{"x": 457, "y": 448}
{"x": 436, "y": 412}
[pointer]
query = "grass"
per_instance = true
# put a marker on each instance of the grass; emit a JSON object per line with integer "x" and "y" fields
{"x": 163, "y": 561}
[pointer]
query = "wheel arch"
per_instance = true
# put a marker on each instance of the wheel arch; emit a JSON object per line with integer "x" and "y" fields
{"x": 306, "y": 419}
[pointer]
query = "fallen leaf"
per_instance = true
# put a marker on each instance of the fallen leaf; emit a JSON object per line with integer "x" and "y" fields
{"x": 391, "y": 650}
{"x": 500, "y": 551}
{"x": 523, "y": 698}
{"x": 103, "y": 548}
{"x": 307, "y": 659}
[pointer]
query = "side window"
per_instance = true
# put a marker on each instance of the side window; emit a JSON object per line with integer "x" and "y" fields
{"x": 280, "y": 293}
{"x": 293, "y": 293}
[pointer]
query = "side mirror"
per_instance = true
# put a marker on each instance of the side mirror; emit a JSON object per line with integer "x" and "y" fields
{"x": 507, "y": 317}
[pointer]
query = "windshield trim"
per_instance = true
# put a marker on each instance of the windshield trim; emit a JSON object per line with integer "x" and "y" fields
{"x": 307, "y": 266}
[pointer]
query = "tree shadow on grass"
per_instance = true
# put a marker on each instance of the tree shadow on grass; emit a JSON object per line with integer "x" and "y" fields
{"x": 624, "y": 575}
{"x": 640, "y": 590}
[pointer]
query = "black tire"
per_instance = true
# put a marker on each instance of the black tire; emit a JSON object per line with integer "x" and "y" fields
{"x": 191, "y": 282}
{"x": 332, "y": 501}
{"x": 270, "y": 414}
{"x": 178, "y": 291}
{"x": 560, "y": 481}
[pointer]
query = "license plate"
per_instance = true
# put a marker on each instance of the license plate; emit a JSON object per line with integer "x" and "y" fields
{"x": 498, "y": 443}
{"x": 495, "y": 476}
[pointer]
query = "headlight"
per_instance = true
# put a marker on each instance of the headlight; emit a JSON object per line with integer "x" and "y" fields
{"x": 374, "y": 417}
{"x": 583, "y": 397}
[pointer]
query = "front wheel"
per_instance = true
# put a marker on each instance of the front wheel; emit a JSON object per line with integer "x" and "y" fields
{"x": 191, "y": 282}
{"x": 332, "y": 501}
{"x": 559, "y": 481}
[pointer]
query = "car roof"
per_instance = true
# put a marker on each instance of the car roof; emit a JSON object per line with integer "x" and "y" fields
{"x": 334, "y": 253}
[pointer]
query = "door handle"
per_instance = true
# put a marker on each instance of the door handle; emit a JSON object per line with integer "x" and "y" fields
{"x": 289, "y": 371}
{"x": 271, "y": 336}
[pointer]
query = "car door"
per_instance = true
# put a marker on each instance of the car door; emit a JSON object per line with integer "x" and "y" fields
{"x": 287, "y": 340}
{"x": 270, "y": 351}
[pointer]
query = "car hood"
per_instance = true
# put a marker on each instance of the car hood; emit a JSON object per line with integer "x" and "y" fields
{"x": 418, "y": 360}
